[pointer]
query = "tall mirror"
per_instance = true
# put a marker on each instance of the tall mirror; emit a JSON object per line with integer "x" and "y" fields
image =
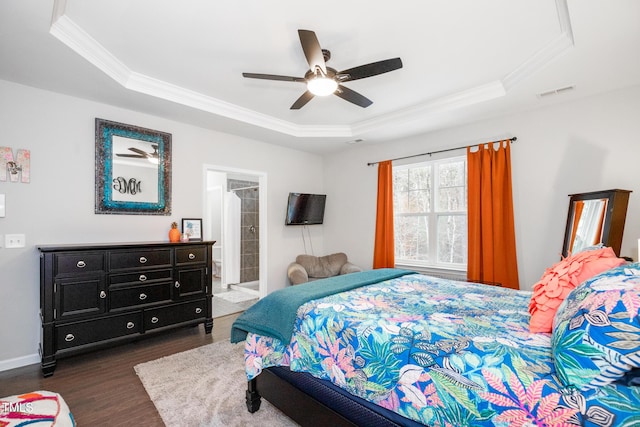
{"x": 133, "y": 170}
{"x": 595, "y": 217}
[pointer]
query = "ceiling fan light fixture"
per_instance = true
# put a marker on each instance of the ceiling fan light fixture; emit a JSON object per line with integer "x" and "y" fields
{"x": 322, "y": 86}
{"x": 324, "y": 81}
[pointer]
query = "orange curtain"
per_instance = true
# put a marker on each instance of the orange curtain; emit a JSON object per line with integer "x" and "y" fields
{"x": 491, "y": 238}
{"x": 598, "y": 237}
{"x": 384, "y": 251}
{"x": 577, "y": 213}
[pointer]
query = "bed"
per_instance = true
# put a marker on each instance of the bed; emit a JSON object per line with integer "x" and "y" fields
{"x": 391, "y": 347}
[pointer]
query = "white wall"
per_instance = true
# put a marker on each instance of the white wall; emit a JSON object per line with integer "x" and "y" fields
{"x": 57, "y": 206}
{"x": 587, "y": 145}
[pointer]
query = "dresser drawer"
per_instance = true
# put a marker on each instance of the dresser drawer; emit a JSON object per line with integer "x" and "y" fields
{"x": 177, "y": 313}
{"x": 139, "y": 295}
{"x": 78, "y": 263}
{"x": 80, "y": 333}
{"x": 139, "y": 258}
{"x": 191, "y": 254}
{"x": 141, "y": 277}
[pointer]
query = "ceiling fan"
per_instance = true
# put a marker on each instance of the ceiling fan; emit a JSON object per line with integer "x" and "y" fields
{"x": 140, "y": 154}
{"x": 322, "y": 80}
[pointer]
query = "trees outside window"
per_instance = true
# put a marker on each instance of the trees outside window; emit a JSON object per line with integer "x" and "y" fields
{"x": 430, "y": 213}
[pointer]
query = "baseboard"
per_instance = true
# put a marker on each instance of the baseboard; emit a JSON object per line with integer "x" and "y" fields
{"x": 19, "y": 362}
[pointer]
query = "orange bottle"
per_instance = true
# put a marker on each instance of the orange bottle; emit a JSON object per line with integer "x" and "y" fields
{"x": 174, "y": 233}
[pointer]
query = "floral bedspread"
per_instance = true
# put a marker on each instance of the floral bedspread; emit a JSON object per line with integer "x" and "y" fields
{"x": 440, "y": 352}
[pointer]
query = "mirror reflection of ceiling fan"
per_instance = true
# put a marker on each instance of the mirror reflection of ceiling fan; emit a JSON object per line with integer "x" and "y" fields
{"x": 141, "y": 154}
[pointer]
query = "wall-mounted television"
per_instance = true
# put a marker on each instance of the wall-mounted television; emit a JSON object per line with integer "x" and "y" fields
{"x": 305, "y": 209}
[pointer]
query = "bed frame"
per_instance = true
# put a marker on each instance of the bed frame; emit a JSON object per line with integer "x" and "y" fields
{"x": 312, "y": 402}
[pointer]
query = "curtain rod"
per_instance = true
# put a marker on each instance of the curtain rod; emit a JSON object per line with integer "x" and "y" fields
{"x": 444, "y": 151}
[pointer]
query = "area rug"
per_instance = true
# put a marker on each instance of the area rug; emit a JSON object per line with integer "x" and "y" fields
{"x": 205, "y": 387}
{"x": 236, "y": 296}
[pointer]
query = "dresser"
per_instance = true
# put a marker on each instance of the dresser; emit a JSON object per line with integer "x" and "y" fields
{"x": 95, "y": 295}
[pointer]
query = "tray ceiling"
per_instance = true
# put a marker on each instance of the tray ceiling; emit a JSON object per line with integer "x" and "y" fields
{"x": 463, "y": 60}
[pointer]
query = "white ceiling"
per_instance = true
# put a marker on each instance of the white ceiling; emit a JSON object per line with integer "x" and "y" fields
{"x": 464, "y": 60}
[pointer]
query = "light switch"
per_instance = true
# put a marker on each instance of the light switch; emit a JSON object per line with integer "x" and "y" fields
{"x": 2, "y": 203}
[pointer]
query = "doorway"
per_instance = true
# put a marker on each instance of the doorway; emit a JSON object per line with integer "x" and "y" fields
{"x": 235, "y": 218}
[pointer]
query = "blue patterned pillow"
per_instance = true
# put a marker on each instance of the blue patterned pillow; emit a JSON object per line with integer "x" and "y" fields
{"x": 596, "y": 331}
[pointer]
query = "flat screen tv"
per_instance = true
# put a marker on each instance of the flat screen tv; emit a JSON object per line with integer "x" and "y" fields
{"x": 305, "y": 209}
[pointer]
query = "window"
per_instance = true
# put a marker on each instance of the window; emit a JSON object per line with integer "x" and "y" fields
{"x": 430, "y": 213}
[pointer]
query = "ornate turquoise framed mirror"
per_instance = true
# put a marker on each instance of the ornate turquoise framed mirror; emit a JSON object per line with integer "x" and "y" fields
{"x": 133, "y": 170}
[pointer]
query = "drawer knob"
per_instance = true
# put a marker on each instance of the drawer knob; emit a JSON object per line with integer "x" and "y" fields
{"x": 177, "y": 285}
{"x": 154, "y": 319}
{"x": 103, "y": 294}
{"x": 143, "y": 297}
{"x": 81, "y": 264}
{"x": 69, "y": 338}
{"x": 143, "y": 278}
{"x": 142, "y": 260}
{"x": 192, "y": 256}
{"x": 130, "y": 325}
{"x": 198, "y": 310}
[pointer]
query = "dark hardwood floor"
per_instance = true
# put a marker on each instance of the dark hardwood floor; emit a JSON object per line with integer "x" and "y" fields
{"x": 101, "y": 387}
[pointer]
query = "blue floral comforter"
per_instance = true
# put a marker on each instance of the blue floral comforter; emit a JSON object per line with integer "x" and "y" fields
{"x": 440, "y": 352}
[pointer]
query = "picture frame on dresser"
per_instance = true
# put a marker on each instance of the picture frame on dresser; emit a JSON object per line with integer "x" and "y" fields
{"x": 133, "y": 169}
{"x": 192, "y": 227}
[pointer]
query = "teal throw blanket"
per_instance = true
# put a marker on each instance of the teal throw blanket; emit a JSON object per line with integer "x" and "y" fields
{"x": 275, "y": 314}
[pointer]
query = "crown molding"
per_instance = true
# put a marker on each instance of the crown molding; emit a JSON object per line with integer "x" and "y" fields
{"x": 453, "y": 101}
{"x": 71, "y": 34}
{"x": 170, "y": 92}
{"x": 546, "y": 54}
{"x": 77, "y": 39}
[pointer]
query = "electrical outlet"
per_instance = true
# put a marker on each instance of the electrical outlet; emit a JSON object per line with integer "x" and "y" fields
{"x": 14, "y": 241}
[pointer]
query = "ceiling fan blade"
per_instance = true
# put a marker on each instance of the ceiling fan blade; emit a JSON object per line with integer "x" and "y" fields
{"x": 273, "y": 77}
{"x": 140, "y": 152}
{"x": 352, "y": 96}
{"x": 312, "y": 50}
{"x": 370, "y": 70}
{"x": 135, "y": 156}
{"x": 302, "y": 101}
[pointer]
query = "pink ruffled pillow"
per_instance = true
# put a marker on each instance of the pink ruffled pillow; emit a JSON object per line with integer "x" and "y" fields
{"x": 558, "y": 280}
